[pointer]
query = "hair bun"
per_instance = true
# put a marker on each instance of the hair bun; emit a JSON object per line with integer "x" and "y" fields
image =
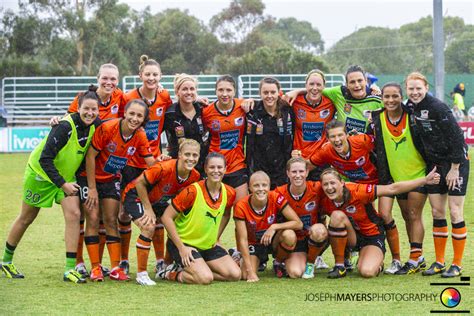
{"x": 92, "y": 88}
{"x": 143, "y": 58}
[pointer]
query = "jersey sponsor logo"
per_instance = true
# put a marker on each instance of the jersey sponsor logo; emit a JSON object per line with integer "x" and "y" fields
{"x": 356, "y": 174}
{"x": 310, "y": 206}
{"x": 347, "y": 108}
{"x": 198, "y": 120}
{"x": 306, "y": 219}
{"x": 114, "y": 109}
{"x": 216, "y": 125}
{"x": 355, "y": 124}
{"x": 360, "y": 161}
{"x": 351, "y": 209}
{"x": 131, "y": 150}
{"x": 424, "y": 114}
{"x": 312, "y": 131}
{"x": 324, "y": 113}
{"x": 179, "y": 131}
{"x": 404, "y": 139}
{"x": 301, "y": 114}
{"x": 271, "y": 219}
{"x": 229, "y": 139}
{"x": 112, "y": 146}
{"x": 159, "y": 111}
{"x": 151, "y": 129}
{"x": 280, "y": 199}
{"x": 369, "y": 188}
{"x": 239, "y": 121}
{"x": 259, "y": 129}
{"x": 166, "y": 188}
{"x": 115, "y": 164}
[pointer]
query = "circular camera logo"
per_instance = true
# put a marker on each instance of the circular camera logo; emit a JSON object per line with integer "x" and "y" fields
{"x": 450, "y": 297}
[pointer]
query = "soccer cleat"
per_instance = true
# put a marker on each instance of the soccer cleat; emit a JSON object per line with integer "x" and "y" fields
{"x": 144, "y": 279}
{"x": 74, "y": 277}
{"x": 11, "y": 271}
{"x": 394, "y": 267}
{"x": 81, "y": 268}
{"x": 435, "y": 268}
{"x": 96, "y": 274}
{"x": 309, "y": 271}
{"x": 320, "y": 264}
{"x": 235, "y": 255}
{"x": 422, "y": 263}
{"x": 262, "y": 266}
{"x": 118, "y": 274}
{"x": 105, "y": 271}
{"x": 125, "y": 266}
{"x": 410, "y": 268}
{"x": 348, "y": 265}
{"x": 337, "y": 272}
{"x": 160, "y": 269}
{"x": 279, "y": 269}
{"x": 171, "y": 272}
{"x": 452, "y": 272}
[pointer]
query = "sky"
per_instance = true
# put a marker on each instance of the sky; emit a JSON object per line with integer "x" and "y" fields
{"x": 334, "y": 19}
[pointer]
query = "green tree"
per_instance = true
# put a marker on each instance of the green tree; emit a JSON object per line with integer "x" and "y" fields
{"x": 460, "y": 53}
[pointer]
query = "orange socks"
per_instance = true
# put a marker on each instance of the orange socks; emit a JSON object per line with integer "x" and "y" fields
{"x": 159, "y": 241}
{"x": 416, "y": 250}
{"x": 113, "y": 246}
{"x": 283, "y": 251}
{"x": 125, "y": 231}
{"x": 393, "y": 239}
{"x": 459, "y": 235}
{"x": 92, "y": 245}
{"x": 338, "y": 240}
{"x": 440, "y": 237}
{"x": 143, "y": 249}
{"x": 315, "y": 249}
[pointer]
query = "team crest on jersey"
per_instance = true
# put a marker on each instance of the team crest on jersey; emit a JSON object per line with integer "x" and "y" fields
{"x": 216, "y": 125}
{"x": 271, "y": 219}
{"x": 369, "y": 188}
{"x": 360, "y": 162}
{"x": 424, "y": 114}
{"x": 239, "y": 121}
{"x": 324, "y": 113}
{"x": 301, "y": 114}
{"x": 347, "y": 108}
{"x": 280, "y": 199}
{"x": 366, "y": 113}
{"x": 280, "y": 122}
{"x": 112, "y": 146}
{"x": 310, "y": 206}
{"x": 179, "y": 131}
{"x": 114, "y": 109}
{"x": 159, "y": 111}
{"x": 167, "y": 188}
{"x": 351, "y": 209}
{"x": 131, "y": 150}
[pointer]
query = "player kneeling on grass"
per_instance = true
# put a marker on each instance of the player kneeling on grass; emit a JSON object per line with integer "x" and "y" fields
{"x": 355, "y": 223}
{"x": 257, "y": 230}
{"x": 195, "y": 221}
{"x": 146, "y": 198}
{"x": 303, "y": 196}
{"x": 50, "y": 177}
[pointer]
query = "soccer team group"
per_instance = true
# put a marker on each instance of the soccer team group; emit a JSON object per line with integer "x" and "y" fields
{"x": 314, "y": 162}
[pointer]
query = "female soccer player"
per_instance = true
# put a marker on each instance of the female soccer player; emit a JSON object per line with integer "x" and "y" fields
{"x": 303, "y": 197}
{"x": 355, "y": 222}
{"x": 184, "y": 119}
{"x": 257, "y": 230}
{"x": 50, "y": 177}
{"x": 146, "y": 198}
{"x": 114, "y": 143}
{"x": 398, "y": 159}
{"x": 158, "y": 100}
{"x": 195, "y": 221}
{"x": 225, "y": 120}
{"x": 270, "y": 133}
{"x": 444, "y": 146}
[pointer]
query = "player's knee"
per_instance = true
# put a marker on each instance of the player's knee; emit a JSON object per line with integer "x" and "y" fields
{"x": 318, "y": 233}
{"x": 234, "y": 274}
{"x": 204, "y": 278}
{"x": 294, "y": 272}
{"x": 288, "y": 236}
{"x": 368, "y": 272}
{"x": 337, "y": 217}
{"x": 148, "y": 230}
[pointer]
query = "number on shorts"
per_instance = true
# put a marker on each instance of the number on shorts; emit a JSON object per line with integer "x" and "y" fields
{"x": 33, "y": 197}
{"x": 251, "y": 249}
{"x": 84, "y": 191}
{"x": 140, "y": 208}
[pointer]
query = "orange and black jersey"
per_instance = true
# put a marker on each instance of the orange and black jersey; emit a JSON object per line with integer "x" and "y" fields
{"x": 310, "y": 124}
{"x": 227, "y": 133}
{"x": 162, "y": 181}
{"x": 358, "y": 207}
{"x": 257, "y": 223}
{"x": 306, "y": 206}
{"x": 184, "y": 201}
{"x": 114, "y": 150}
{"x": 157, "y": 109}
{"x": 112, "y": 108}
{"x": 357, "y": 166}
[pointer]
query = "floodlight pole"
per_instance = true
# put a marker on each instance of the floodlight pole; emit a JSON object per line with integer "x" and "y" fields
{"x": 438, "y": 48}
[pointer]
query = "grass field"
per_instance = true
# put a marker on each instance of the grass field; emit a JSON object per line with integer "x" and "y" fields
{"x": 40, "y": 256}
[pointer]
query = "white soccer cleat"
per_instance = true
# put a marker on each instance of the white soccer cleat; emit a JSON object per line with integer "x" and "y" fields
{"x": 320, "y": 264}
{"x": 144, "y": 279}
{"x": 394, "y": 267}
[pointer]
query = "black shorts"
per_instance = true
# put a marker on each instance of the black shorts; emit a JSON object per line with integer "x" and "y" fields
{"x": 261, "y": 251}
{"x": 133, "y": 207}
{"x": 236, "y": 178}
{"x": 129, "y": 174}
{"x": 376, "y": 240}
{"x": 106, "y": 190}
{"x": 442, "y": 187}
{"x": 214, "y": 253}
{"x": 404, "y": 196}
{"x": 301, "y": 245}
